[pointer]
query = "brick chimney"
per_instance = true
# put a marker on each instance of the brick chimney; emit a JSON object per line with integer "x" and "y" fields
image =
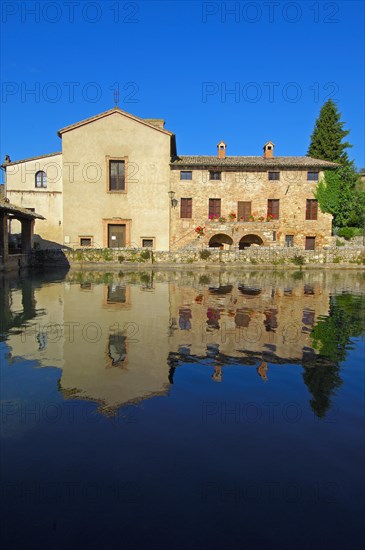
{"x": 269, "y": 150}
{"x": 222, "y": 150}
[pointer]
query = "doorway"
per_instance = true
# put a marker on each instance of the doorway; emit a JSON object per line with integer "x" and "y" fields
{"x": 116, "y": 235}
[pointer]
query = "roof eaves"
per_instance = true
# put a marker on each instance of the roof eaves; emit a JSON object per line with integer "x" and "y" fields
{"x": 30, "y": 159}
{"x": 108, "y": 113}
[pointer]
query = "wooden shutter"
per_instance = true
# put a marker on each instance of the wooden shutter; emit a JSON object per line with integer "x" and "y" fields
{"x": 243, "y": 210}
{"x": 273, "y": 208}
{"x": 186, "y": 208}
{"x": 310, "y": 243}
{"x": 311, "y": 211}
{"x": 215, "y": 207}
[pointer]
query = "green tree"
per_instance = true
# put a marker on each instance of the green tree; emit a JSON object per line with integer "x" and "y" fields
{"x": 331, "y": 337}
{"x": 339, "y": 193}
{"x": 326, "y": 140}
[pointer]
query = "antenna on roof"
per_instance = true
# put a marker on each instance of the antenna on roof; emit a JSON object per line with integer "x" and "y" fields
{"x": 116, "y": 97}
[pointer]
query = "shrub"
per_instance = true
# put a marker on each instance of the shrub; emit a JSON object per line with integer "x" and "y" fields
{"x": 349, "y": 232}
{"x": 205, "y": 254}
{"x": 204, "y": 279}
{"x": 339, "y": 243}
{"x": 121, "y": 258}
{"x": 107, "y": 255}
{"x": 336, "y": 260}
{"x": 145, "y": 255}
{"x": 298, "y": 260}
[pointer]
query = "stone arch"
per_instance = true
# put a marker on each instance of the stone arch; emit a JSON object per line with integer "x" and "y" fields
{"x": 220, "y": 240}
{"x": 247, "y": 240}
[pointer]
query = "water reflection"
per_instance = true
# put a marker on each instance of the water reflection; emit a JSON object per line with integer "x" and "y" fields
{"x": 116, "y": 344}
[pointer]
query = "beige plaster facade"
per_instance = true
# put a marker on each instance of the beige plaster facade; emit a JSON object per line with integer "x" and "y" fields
{"x": 82, "y": 208}
{"x": 47, "y": 201}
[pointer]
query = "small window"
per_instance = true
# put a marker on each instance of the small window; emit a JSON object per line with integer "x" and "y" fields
{"x": 41, "y": 179}
{"x": 147, "y": 243}
{"x": 274, "y": 176}
{"x": 274, "y": 235}
{"x": 31, "y": 209}
{"x": 311, "y": 211}
{"x": 289, "y": 241}
{"x": 186, "y": 208}
{"x": 186, "y": 175}
{"x": 273, "y": 208}
{"x": 312, "y": 176}
{"x": 215, "y": 175}
{"x": 85, "y": 241}
{"x": 116, "y": 175}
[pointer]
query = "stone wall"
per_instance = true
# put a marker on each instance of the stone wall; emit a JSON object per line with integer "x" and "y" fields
{"x": 254, "y": 256}
{"x": 292, "y": 190}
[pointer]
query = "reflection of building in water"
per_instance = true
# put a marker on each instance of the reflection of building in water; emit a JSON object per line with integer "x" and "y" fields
{"x": 117, "y": 343}
{"x": 109, "y": 340}
{"x": 249, "y": 321}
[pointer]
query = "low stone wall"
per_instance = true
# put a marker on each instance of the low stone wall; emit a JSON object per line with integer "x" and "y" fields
{"x": 252, "y": 256}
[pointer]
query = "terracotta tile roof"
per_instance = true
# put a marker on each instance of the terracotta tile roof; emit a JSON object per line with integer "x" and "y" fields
{"x": 30, "y": 158}
{"x": 251, "y": 162}
{"x": 108, "y": 113}
{"x": 7, "y": 207}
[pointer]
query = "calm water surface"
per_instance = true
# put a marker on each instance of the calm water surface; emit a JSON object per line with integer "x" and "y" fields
{"x": 183, "y": 410}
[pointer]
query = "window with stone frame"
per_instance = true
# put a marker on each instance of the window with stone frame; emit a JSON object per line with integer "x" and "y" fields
{"x": 116, "y": 175}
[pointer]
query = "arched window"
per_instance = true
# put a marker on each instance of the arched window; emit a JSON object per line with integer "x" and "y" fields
{"x": 41, "y": 179}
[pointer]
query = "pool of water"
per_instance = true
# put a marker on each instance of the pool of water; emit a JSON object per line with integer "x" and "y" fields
{"x": 183, "y": 410}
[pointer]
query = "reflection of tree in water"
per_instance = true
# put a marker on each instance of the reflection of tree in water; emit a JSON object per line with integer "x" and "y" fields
{"x": 331, "y": 336}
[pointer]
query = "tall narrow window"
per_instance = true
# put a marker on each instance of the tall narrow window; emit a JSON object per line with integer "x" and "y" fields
{"x": 214, "y": 208}
{"x": 41, "y": 179}
{"x": 289, "y": 241}
{"x": 116, "y": 175}
{"x": 243, "y": 210}
{"x": 273, "y": 208}
{"x": 311, "y": 211}
{"x": 186, "y": 208}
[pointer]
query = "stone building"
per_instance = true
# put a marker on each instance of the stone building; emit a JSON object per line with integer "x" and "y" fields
{"x": 243, "y": 201}
{"x": 118, "y": 182}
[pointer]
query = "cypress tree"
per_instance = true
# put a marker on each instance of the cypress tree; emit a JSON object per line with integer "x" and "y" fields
{"x": 326, "y": 140}
{"x": 339, "y": 193}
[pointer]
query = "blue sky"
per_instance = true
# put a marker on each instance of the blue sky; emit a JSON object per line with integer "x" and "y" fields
{"x": 179, "y": 61}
